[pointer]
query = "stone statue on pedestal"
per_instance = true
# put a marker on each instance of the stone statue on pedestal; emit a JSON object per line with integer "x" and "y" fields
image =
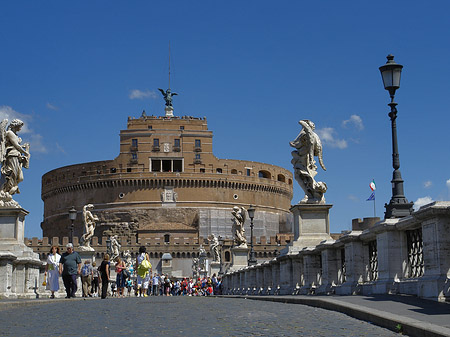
{"x": 89, "y": 225}
{"x": 308, "y": 145}
{"x": 13, "y": 156}
{"x": 214, "y": 248}
{"x": 195, "y": 268}
{"x": 127, "y": 258}
{"x": 239, "y": 216}
{"x": 115, "y": 247}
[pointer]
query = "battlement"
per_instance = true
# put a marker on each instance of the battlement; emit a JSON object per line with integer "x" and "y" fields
{"x": 179, "y": 247}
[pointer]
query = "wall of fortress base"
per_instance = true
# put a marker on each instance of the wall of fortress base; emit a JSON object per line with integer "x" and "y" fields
{"x": 207, "y": 210}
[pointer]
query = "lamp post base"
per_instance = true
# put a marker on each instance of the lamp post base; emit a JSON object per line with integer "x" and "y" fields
{"x": 398, "y": 210}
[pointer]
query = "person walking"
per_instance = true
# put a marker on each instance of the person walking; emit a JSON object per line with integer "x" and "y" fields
{"x": 69, "y": 268}
{"x": 104, "y": 275}
{"x": 86, "y": 278}
{"x": 52, "y": 270}
{"x": 95, "y": 286}
{"x": 155, "y": 285}
{"x": 144, "y": 270}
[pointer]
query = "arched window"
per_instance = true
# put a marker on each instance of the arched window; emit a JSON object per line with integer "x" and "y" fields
{"x": 264, "y": 174}
{"x": 281, "y": 178}
{"x": 233, "y": 171}
{"x": 227, "y": 256}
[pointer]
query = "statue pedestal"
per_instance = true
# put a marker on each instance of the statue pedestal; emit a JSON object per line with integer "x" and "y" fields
{"x": 214, "y": 268}
{"x": 90, "y": 255}
{"x": 169, "y": 111}
{"x": 239, "y": 258}
{"x": 311, "y": 226}
{"x": 19, "y": 265}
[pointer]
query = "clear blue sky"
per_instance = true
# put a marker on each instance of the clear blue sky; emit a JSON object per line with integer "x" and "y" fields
{"x": 74, "y": 71}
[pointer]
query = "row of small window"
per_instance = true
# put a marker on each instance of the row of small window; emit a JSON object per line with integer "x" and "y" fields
{"x": 176, "y": 142}
{"x": 151, "y": 127}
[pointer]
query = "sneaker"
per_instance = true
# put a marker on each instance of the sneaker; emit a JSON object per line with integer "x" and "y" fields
{"x": 145, "y": 295}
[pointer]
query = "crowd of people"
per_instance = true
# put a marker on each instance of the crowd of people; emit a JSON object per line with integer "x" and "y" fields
{"x": 138, "y": 279}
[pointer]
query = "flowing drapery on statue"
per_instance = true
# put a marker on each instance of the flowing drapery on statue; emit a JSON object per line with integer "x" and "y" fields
{"x": 214, "y": 248}
{"x": 89, "y": 226}
{"x": 239, "y": 216}
{"x": 308, "y": 146}
{"x": 13, "y": 156}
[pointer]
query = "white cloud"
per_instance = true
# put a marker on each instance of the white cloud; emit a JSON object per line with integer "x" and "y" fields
{"x": 35, "y": 139}
{"x": 139, "y": 94}
{"x": 6, "y": 112}
{"x": 60, "y": 148}
{"x": 36, "y": 144}
{"x": 422, "y": 202}
{"x": 428, "y": 184}
{"x": 355, "y": 121}
{"x": 353, "y": 198}
{"x": 448, "y": 183}
{"x": 327, "y": 136}
{"x": 51, "y": 106}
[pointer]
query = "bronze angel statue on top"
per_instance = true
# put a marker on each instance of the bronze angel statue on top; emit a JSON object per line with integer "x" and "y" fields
{"x": 13, "y": 156}
{"x": 168, "y": 96}
{"x": 308, "y": 146}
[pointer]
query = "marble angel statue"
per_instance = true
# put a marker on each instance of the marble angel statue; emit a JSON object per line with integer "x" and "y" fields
{"x": 13, "y": 156}
{"x": 214, "y": 248}
{"x": 307, "y": 146}
{"x": 89, "y": 225}
{"x": 239, "y": 216}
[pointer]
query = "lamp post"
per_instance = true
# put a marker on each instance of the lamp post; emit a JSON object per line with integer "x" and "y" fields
{"x": 399, "y": 206}
{"x": 72, "y": 217}
{"x": 221, "y": 242}
{"x": 251, "y": 213}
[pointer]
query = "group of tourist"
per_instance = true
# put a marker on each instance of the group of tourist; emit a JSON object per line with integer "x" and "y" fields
{"x": 95, "y": 280}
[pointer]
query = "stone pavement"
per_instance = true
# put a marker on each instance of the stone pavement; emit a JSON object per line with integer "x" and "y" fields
{"x": 175, "y": 316}
{"x": 415, "y": 316}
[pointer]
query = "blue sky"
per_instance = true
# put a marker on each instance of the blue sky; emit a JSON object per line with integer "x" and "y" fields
{"x": 74, "y": 72}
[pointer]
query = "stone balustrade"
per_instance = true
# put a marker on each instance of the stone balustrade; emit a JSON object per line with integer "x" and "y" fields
{"x": 410, "y": 255}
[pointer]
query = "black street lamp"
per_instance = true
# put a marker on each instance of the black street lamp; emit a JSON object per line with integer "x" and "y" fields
{"x": 72, "y": 217}
{"x": 399, "y": 206}
{"x": 251, "y": 213}
{"x": 221, "y": 242}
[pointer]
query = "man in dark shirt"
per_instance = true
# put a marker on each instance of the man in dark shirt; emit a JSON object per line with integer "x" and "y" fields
{"x": 69, "y": 268}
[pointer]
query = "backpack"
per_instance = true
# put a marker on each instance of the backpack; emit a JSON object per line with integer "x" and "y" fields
{"x": 85, "y": 270}
{"x": 143, "y": 268}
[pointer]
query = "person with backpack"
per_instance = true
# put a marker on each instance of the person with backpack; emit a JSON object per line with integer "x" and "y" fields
{"x": 86, "y": 278}
{"x": 144, "y": 270}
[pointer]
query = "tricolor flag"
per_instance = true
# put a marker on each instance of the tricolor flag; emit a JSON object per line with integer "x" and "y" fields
{"x": 372, "y": 197}
{"x": 372, "y": 185}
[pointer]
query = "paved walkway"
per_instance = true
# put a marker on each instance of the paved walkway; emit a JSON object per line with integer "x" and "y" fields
{"x": 226, "y": 316}
{"x": 415, "y": 316}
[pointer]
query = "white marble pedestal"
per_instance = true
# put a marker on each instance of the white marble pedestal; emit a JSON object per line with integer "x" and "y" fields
{"x": 19, "y": 265}
{"x": 239, "y": 258}
{"x": 311, "y": 226}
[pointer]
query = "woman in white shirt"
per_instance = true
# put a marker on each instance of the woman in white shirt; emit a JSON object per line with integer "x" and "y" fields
{"x": 52, "y": 270}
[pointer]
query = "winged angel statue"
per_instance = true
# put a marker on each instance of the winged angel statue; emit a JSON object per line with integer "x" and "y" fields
{"x": 239, "y": 216}
{"x": 13, "y": 156}
{"x": 168, "y": 96}
{"x": 308, "y": 145}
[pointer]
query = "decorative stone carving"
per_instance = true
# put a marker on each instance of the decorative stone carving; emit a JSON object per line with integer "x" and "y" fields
{"x": 308, "y": 145}
{"x": 89, "y": 226}
{"x": 169, "y": 195}
{"x": 127, "y": 258}
{"x": 115, "y": 247}
{"x": 13, "y": 156}
{"x": 214, "y": 248}
{"x": 239, "y": 216}
{"x": 195, "y": 268}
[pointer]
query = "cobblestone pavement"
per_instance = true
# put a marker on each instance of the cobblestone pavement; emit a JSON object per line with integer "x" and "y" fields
{"x": 178, "y": 316}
